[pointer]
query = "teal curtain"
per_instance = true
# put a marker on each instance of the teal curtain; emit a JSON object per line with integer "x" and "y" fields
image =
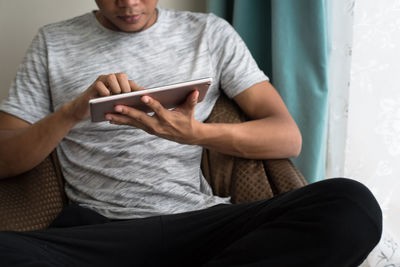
{"x": 288, "y": 39}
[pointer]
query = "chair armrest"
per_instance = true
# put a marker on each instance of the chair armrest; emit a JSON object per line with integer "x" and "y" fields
{"x": 283, "y": 175}
{"x": 32, "y": 200}
{"x": 242, "y": 179}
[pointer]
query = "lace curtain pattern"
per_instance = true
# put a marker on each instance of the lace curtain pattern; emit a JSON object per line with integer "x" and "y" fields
{"x": 365, "y": 109}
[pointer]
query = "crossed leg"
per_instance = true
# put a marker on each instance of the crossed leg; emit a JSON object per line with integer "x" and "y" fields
{"x": 336, "y": 222}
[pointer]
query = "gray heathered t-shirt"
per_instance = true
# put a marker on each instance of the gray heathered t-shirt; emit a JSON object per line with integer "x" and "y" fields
{"x": 119, "y": 171}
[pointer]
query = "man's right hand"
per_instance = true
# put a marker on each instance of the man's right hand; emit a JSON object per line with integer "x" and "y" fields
{"x": 24, "y": 145}
{"x": 104, "y": 85}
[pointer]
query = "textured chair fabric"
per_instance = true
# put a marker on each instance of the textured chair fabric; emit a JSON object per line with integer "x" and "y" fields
{"x": 245, "y": 179}
{"x": 32, "y": 200}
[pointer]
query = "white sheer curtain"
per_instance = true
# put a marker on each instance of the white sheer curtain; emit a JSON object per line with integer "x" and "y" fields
{"x": 364, "y": 125}
{"x": 340, "y": 21}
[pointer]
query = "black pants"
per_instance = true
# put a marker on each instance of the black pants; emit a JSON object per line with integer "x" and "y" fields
{"x": 333, "y": 223}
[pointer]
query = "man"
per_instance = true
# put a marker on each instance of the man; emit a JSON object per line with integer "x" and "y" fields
{"x": 142, "y": 199}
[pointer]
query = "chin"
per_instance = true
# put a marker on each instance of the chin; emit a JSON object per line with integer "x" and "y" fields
{"x": 131, "y": 29}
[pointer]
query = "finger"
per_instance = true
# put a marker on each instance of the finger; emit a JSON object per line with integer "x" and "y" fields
{"x": 112, "y": 84}
{"x": 190, "y": 102}
{"x": 134, "y": 86}
{"x": 101, "y": 89}
{"x": 120, "y": 119}
{"x": 123, "y": 82}
{"x": 137, "y": 115}
{"x": 193, "y": 98}
{"x": 154, "y": 105}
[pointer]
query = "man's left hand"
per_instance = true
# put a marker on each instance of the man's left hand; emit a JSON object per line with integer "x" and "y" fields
{"x": 176, "y": 125}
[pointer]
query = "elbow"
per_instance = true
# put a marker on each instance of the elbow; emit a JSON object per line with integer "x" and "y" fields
{"x": 296, "y": 144}
{"x": 296, "y": 149}
{"x": 3, "y": 176}
{"x": 6, "y": 171}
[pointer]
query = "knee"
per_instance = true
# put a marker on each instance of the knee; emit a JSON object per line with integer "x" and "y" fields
{"x": 355, "y": 215}
{"x": 355, "y": 195}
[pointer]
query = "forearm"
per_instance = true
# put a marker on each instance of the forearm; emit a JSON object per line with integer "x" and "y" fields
{"x": 24, "y": 148}
{"x": 258, "y": 139}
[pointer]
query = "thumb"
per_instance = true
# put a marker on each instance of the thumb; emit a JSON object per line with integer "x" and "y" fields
{"x": 191, "y": 100}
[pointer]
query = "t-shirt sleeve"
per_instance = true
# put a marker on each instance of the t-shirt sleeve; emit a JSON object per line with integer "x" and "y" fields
{"x": 29, "y": 98}
{"x": 232, "y": 59}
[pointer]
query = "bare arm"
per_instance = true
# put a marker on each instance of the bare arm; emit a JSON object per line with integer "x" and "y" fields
{"x": 24, "y": 145}
{"x": 272, "y": 133}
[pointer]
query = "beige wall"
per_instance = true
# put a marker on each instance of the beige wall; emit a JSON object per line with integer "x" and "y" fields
{"x": 192, "y": 5}
{"x": 20, "y": 20}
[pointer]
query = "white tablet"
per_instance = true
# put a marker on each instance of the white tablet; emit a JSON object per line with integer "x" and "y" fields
{"x": 169, "y": 96}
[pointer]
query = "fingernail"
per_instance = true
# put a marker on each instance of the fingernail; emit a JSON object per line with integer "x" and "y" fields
{"x": 108, "y": 117}
{"x": 145, "y": 99}
{"x": 118, "y": 109}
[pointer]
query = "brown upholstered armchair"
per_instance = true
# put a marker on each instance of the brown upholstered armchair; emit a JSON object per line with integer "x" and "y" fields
{"x": 32, "y": 200}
